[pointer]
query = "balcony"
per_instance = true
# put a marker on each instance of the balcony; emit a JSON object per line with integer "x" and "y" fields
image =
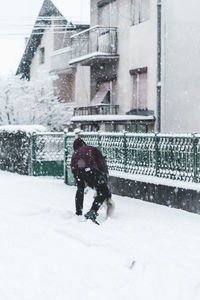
{"x": 60, "y": 60}
{"x": 97, "y": 43}
{"x": 101, "y": 109}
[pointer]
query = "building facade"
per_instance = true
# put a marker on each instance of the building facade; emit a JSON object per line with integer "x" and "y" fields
{"x": 145, "y": 54}
{"x": 48, "y": 51}
{"x": 180, "y": 101}
{"x": 118, "y": 51}
{"x": 136, "y": 67}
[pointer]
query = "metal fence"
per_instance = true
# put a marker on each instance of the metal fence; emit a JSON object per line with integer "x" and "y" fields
{"x": 98, "y": 39}
{"x": 47, "y": 154}
{"x": 38, "y": 154}
{"x": 166, "y": 156}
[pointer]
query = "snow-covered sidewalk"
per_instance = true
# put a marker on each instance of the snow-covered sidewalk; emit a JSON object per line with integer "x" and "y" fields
{"x": 145, "y": 252}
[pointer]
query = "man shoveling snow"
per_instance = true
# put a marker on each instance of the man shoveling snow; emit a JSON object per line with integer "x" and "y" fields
{"x": 90, "y": 169}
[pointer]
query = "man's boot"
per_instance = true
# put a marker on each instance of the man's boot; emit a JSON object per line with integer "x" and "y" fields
{"x": 92, "y": 214}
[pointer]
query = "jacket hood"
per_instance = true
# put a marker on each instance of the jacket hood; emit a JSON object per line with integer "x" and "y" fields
{"x": 78, "y": 143}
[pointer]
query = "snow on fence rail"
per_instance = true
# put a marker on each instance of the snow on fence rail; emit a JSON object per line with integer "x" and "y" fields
{"x": 165, "y": 156}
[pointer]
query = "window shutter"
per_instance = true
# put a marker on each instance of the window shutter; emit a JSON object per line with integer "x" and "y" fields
{"x": 104, "y": 15}
{"x": 139, "y": 96}
{"x": 135, "y": 91}
{"x": 142, "y": 100}
{"x": 107, "y": 14}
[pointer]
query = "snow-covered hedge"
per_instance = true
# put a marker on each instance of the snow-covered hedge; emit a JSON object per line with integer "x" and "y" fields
{"x": 15, "y": 147}
{"x": 25, "y": 128}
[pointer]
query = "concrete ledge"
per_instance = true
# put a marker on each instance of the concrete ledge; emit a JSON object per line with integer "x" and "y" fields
{"x": 177, "y": 197}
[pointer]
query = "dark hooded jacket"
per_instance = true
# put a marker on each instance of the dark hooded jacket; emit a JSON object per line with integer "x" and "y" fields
{"x": 87, "y": 157}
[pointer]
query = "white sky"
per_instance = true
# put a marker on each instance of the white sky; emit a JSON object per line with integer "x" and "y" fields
{"x": 16, "y": 22}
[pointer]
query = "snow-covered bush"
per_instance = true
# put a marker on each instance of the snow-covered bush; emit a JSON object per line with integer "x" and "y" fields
{"x": 32, "y": 102}
{"x": 15, "y": 151}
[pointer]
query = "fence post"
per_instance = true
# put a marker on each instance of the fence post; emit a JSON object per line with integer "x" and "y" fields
{"x": 99, "y": 140}
{"x": 33, "y": 153}
{"x": 156, "y": 154}
{"x": 65, "y": 158}
{"x": 195, "y": 142}
{"x": 125, "y": 150}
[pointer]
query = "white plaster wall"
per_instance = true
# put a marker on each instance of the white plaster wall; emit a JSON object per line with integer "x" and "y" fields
{"x": 137, "y": 47}
{"x": 82, "y": 85}
{"x": 38, "y": 70}
{"x": 93, "y": 13}
{"x": 181, "y": 67}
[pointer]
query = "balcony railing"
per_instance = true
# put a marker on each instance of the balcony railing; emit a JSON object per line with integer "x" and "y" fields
{"x": 60, "y": 59}
{"x": 103, "y": 109}
{"x": 97, "y": 40}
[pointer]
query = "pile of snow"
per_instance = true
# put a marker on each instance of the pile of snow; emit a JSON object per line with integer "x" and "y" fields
{"x": 145, "y": 251}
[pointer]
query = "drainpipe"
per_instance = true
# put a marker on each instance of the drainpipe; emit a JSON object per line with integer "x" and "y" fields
{"x": 111, "y": 92}
{"x": 158, "y": 110}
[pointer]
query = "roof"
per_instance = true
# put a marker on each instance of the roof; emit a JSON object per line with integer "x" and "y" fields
{"x": 48, "y": 9}
{"x": 96, "y": 118}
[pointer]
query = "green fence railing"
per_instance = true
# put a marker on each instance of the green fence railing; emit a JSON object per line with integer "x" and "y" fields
{"x": 47, "y": 154}
{"x": 166, "y": 156}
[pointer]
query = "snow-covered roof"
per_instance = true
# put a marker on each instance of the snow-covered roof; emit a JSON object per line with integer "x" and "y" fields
{"x": 57, "y": 8}
{"x": 112, "y": 118}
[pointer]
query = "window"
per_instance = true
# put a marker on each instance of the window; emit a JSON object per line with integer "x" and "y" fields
{"x": 139, "y": 128}
{"x": 139, "y": 95}
{"x": 142, "y": 128}
{"x": 131, "y": 128}
{"x": 106, "y": 93}
{"x": 107, "y": 13}
{"x": 89, "y": 127}
{"x": 42, "y": 55}
{"x": 140, "y": 11}
{"x": 110, "y": 127}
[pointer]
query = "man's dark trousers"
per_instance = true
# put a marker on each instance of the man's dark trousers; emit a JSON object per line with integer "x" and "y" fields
{"x": 94, "y": 179}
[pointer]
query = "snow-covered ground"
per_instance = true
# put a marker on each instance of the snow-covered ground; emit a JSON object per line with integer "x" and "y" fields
{"x": 144, "y": 252}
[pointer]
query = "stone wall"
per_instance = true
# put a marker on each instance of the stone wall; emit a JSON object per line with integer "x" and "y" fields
{"x": 177, "y": 197}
